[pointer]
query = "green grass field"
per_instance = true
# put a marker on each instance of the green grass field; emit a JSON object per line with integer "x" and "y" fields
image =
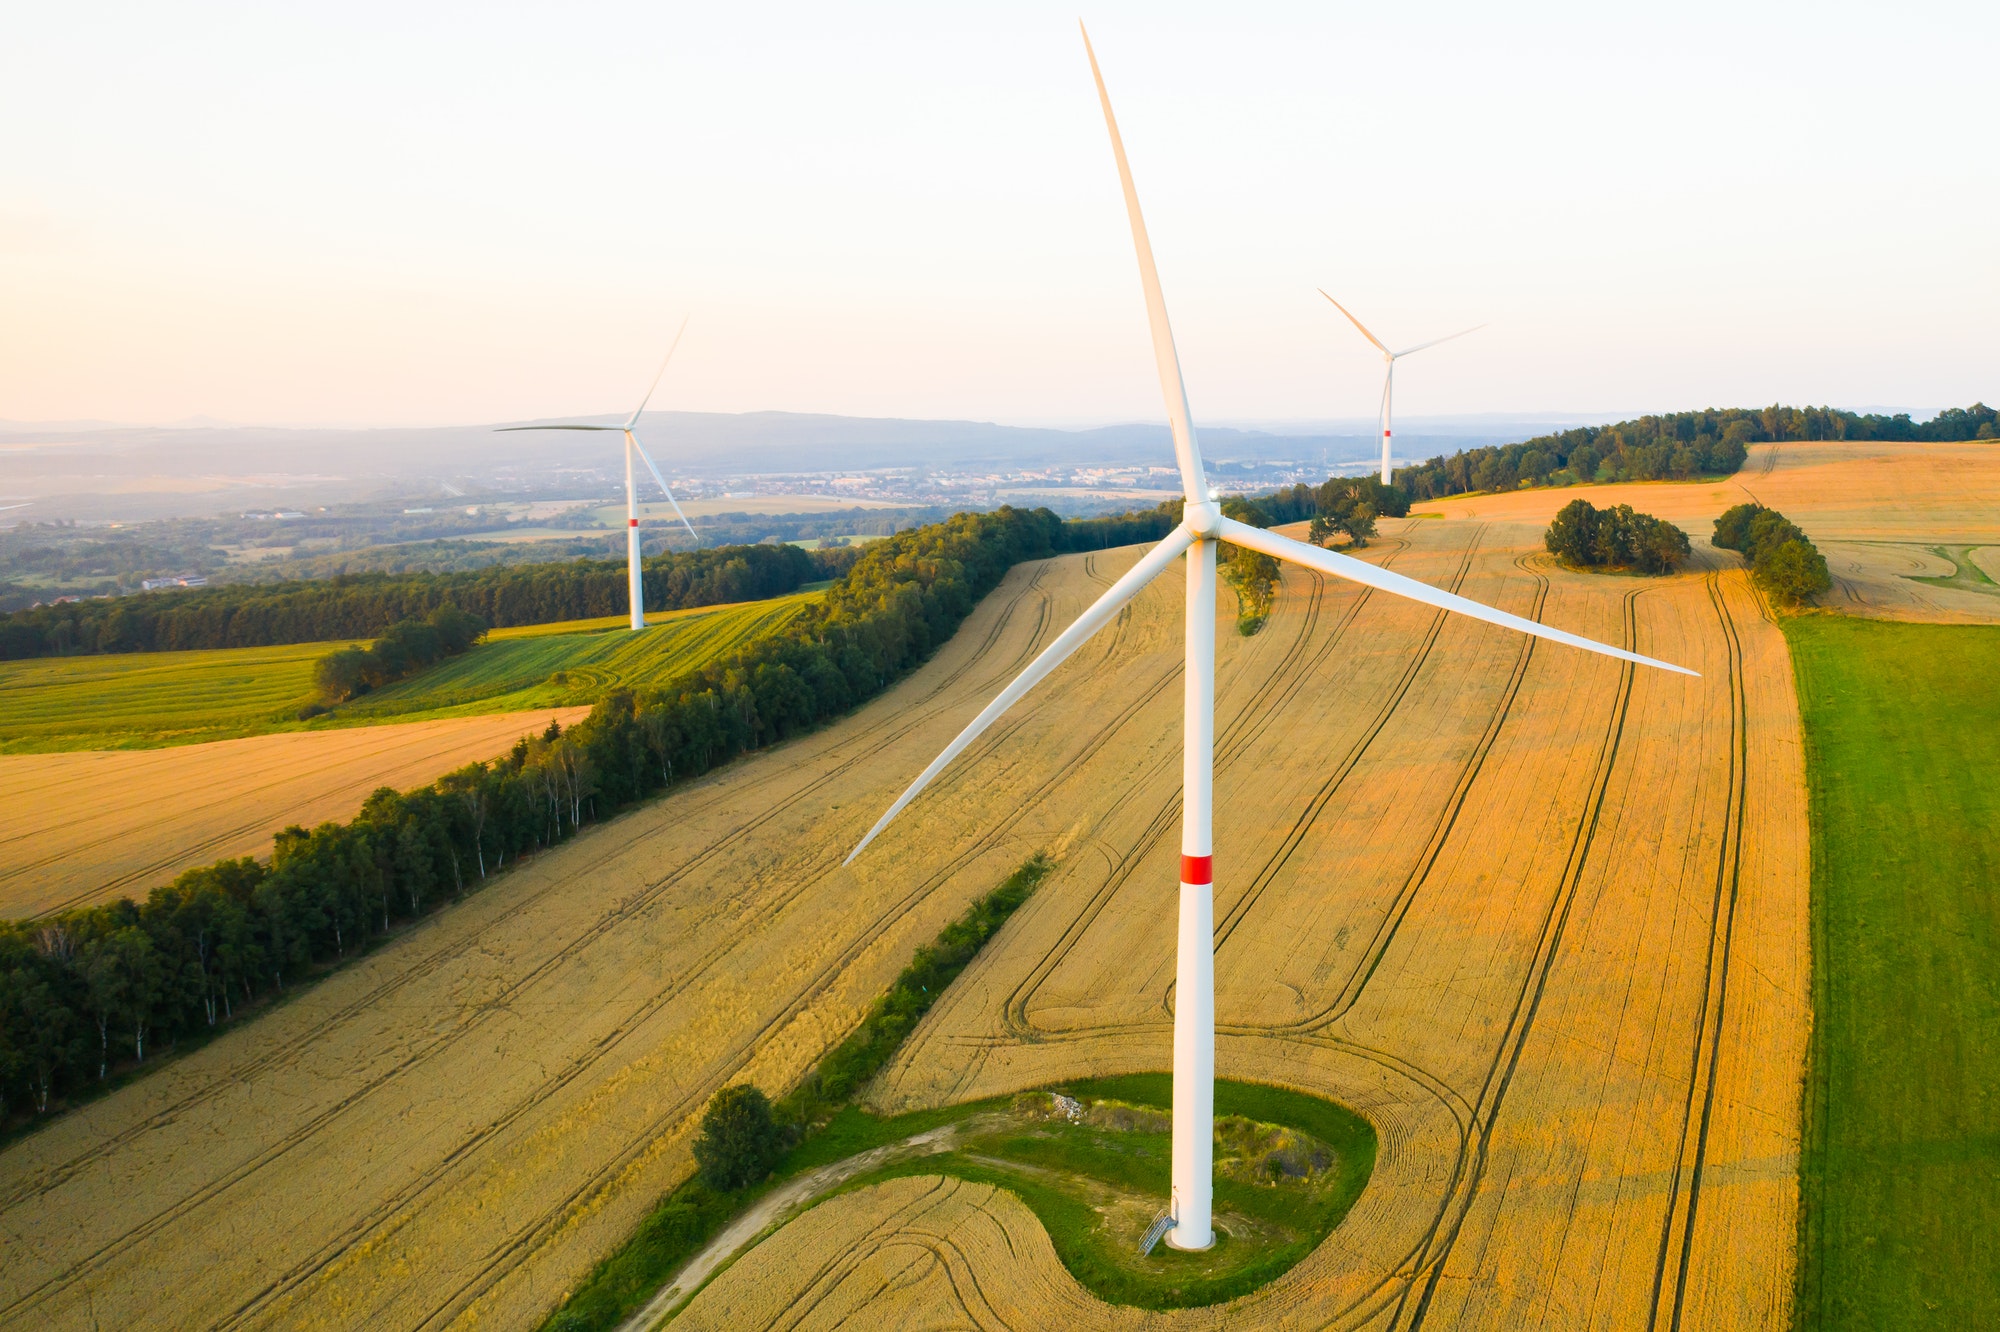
{"x": 143, "y": 700}
{"x": 1901, "y": 1169}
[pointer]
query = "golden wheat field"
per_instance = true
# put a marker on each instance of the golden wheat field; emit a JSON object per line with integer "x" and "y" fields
{"x": 1883, "y": 514}
{"x": 91, "y": 826}
{"x": 1539, "y": 917}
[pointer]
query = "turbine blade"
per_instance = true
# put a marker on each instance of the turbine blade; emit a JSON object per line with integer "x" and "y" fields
{"x": 1446, "y": 338}
{"x": 1072, "y": 638}
{"x": 1357, "y": 323}
{"x": 1360, "y": 571}
{"x": 501, "y": 430}
{"x": 662, "y": 375}
{"x": 663, "y": 485}
{"x": 1187, "y": 451}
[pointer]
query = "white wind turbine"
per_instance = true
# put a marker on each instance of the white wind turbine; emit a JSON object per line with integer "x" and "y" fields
{"x": 1202, "y": 526}
{"x": 1390, "y": 358}
{"x": 636, "y": 584}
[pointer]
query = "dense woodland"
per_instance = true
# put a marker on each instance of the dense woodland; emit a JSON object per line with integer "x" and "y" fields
{"x": 1677, "y": 447}
{"x": 364, "y": 605}
{"x": 89, "y": 989}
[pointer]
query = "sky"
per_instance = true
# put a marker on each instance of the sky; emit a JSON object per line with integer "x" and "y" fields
{"x": 398, "y": 214}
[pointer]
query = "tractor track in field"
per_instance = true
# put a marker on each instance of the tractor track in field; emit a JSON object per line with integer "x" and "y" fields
{"x": 503, "y": 1258}
{"x": 896, "y": 724}
{"x": 1259, "y": 711}
{"x": 1684, "y": 1191}
{"x": 58, "y": 1173}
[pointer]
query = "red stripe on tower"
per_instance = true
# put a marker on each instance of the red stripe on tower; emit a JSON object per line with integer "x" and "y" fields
{"x": 632, "y": 522}
{"x": 1197, "y": 869}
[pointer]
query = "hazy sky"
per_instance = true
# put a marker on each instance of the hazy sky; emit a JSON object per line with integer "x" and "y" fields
{"x": 397, "y": 213}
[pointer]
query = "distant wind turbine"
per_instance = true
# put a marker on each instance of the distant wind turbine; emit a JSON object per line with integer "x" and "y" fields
{"x": 636, "y": 583}
{"x": 1202, "y": 527}
{"x": 1389, "y": 379}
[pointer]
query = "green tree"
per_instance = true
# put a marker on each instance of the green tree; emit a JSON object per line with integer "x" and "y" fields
{"x": 1793, "y": 572}
{"x": 739, "y": 1140}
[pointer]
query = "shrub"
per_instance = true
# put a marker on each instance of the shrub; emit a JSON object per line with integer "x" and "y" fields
{"x": 739, "y": 1141}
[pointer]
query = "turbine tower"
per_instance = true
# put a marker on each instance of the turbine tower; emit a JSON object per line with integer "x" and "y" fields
{"x": 1390, "y": 358}
{"x": 1201, "y": 527}
{"x": 635, "y": 582}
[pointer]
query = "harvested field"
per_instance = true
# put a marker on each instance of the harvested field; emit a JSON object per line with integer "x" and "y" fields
{"x": 1542, "y": 919}
{"x": 1883, "y": 515}
{"x": 88, "y": 827}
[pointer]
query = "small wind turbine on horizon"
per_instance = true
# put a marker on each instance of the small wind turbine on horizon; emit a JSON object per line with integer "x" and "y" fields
{"x": 1390, "y": 358}
{"x": 1202, "y": 527}
{"x": 635, "y": 581}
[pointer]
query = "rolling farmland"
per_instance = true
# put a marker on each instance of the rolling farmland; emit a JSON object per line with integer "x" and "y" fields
{"x": 1541, "y": 918}
{"x": 89, "y": 827}
{"x": 1909, "y": 531}
{"x": 140, "y": 700}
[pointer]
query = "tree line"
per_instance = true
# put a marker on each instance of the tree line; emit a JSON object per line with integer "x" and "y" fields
{"x": 87, "y": 989}
{"x": 1584, "y": 536}
{"x": 363, "y": 605}
{"x": 1677, "y": 446}
{"x": 1782, "y": 560}
{"x": 408, "y": 646}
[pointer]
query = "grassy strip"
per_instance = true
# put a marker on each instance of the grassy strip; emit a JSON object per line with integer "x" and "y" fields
{"x": 1140, "y": 1163}
{"x": 1900, "y": 1167}
{"x": 831, "y": 1127}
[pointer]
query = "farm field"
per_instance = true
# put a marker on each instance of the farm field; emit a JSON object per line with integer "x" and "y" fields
{"x": 1888, "y": 517}
{"x": 141, "y": 700}
{"x": 88, "y": 827}
{"x": 1541, "y": 919}
{"x": 1903, "y": 1164}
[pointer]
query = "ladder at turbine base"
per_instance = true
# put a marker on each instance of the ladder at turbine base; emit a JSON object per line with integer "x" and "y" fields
{"x": 1161, "y": 1225}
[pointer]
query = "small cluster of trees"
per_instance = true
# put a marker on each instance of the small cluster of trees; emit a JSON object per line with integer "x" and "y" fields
{"x": 406, "y": 648}
{"x": 85, "y": 989}
{"x": 1782, "y": 561}
{"x": 1584, "y": 536}
{"x": 362, "y": 605}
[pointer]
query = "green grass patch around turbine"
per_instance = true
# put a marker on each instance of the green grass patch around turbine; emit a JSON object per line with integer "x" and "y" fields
{"x": 1900, "y": 1170}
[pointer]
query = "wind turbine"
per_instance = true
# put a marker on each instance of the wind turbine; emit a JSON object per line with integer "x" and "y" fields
{"x": 1390, "y": 358}
{"x": 1202, "y": 526}
{"x": 636, "y": 585}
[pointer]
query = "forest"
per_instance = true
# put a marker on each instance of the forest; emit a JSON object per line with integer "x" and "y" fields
{"x": 364, "y": 605}
{"x": 1678, "y": 446}
{"x": 87, "y": 990}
